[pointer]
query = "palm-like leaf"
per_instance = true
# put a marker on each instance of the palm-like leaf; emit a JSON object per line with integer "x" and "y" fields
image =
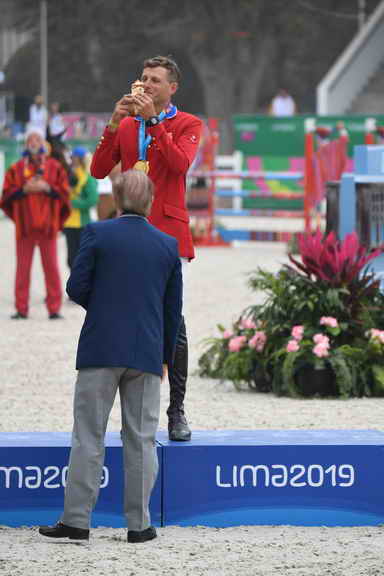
{"x": 331, "y": 261}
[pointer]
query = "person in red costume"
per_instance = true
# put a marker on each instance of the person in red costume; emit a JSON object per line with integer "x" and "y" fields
{"x": 36, "y": 197}
{"x": 147, "y": 132}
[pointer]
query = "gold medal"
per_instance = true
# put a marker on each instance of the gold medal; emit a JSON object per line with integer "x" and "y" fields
{"x": 142, "y": 165}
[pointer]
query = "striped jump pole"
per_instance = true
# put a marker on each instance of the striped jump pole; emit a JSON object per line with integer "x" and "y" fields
{"x": 309, "y": 178}
{"x": 229, "y": 235}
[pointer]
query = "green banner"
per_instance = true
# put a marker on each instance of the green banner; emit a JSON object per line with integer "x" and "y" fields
{"x": 269, "y": 136}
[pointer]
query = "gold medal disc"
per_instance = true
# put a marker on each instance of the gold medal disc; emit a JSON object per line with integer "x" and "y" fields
{"x": 142, "y": 165}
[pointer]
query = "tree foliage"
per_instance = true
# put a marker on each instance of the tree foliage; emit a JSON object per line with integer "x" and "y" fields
{"x": 235, "y": 54}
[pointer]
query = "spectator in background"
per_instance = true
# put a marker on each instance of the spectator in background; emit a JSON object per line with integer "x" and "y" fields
{"x": 38, "y": 115}
{"x": 56, "y": 126}
{"x": 83, "y": 196}
{"x": 81, "y": 127}
{"x": 36, "y": 197}
{"x": 282, "y": 104}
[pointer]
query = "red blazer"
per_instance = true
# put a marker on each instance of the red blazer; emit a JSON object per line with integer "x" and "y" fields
{"x": 173, "y": 147}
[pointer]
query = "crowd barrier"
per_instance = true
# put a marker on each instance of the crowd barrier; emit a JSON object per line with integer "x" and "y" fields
{"x": 220, "y": 478}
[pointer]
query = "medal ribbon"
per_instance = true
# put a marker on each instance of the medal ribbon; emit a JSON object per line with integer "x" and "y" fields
{"x": 145, "y": 140}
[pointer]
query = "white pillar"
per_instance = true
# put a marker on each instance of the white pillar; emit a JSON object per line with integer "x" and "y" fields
{"x": 361, "y": 13}
{"x": 43, "y": 51}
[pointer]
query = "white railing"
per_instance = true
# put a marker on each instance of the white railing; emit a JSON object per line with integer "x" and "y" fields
{"x": 354, "y": 68}
{"x": 233, "y": 163}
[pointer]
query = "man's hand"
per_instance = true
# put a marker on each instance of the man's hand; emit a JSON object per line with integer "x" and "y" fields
{"x": 144, "y": 106}
{"x": 42, "y": 185}
{"x": 36, "y": 185}
{"x": 124, "y": 107}
{"x": 165, "y": 372}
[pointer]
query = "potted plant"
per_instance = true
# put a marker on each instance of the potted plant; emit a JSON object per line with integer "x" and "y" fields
{"x": 237, "y": 355}
{"x": 313, "y": 363}
{"x": 333, "y": 301}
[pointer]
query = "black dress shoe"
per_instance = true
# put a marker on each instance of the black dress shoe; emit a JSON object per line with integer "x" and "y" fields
{"x": 56, "y": 316}
{"x": 60, "y": 530}
{"x": 19, "y": 316}
{"x": 135, "y": 536}
{"x": 178, "y": 429}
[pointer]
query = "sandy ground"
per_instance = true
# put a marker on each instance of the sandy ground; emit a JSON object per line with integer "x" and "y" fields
{"x": 37, "y": 377}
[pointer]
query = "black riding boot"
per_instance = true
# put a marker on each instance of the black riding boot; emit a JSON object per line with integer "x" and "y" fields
{"x": 178, "y": 428}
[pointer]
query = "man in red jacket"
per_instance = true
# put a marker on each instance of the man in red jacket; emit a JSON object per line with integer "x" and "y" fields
{"x": 147, "y": 132}
{"x": 36, "y": 198}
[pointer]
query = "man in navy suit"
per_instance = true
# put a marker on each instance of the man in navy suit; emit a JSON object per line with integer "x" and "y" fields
{"x": 127, "y": 276}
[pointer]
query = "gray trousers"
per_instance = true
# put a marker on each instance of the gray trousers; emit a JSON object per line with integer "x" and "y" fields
{"x": 140, "y": 406}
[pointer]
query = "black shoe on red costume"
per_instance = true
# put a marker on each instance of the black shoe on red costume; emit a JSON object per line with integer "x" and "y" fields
{"x": 56, "y": 316}
{"x": 19, "y": 316}
{"x": 60, "y": 530}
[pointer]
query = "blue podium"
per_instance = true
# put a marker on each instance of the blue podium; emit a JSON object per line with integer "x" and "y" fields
{"x": 220, "y": 478}
{"x": 297, "y": 477}
{"x": 33, "y": 469}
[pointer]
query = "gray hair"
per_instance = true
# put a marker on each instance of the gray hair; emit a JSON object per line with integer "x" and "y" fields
{"x": 133, "y": 191}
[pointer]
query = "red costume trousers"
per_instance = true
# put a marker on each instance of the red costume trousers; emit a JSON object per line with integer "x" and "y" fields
{"x": 25, "y": 247}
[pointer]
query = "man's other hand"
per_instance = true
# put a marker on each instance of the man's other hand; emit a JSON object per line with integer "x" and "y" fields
{"x": 124, "y": 107}
{"x": 144, "y": 106}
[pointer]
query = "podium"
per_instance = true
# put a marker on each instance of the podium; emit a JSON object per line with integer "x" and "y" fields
{"x": 33, "y": 471}
{"x": 221, "y": 478}
{"x": 297, "y": 477}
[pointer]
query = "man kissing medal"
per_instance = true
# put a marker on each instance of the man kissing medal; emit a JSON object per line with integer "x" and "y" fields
{"x": 148, "y": 133}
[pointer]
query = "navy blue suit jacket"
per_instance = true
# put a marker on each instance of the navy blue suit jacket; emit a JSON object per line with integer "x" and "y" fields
{"x": 127, "y": 275}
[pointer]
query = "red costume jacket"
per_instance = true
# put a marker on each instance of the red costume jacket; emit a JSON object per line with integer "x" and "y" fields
{"x": 170, "y": 154}
{"x": 43, "y": 211}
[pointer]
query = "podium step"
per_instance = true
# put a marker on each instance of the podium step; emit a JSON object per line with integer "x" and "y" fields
{"x": 297, "y": 477}
{"x": 220, "y": 478}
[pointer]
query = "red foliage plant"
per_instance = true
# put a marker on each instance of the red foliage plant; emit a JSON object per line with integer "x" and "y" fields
{"x": 337, "y": 263}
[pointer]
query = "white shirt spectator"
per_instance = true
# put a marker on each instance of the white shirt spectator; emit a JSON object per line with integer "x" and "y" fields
{"x": 283, "y": 105}
{"x": 104, "y": 186}
{"x": 56, "y": 125}
{"x": 38, "y": 116}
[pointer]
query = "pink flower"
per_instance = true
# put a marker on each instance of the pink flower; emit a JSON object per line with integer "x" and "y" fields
{"x": 321, "y": 350}
{"x": 377, "y": 335}
{"x": 247, "y": 324}
{"x": 297, "y": 332}
{"x": 329, "y": 321}
{"x": 293, "y": 346}
{"x": 235, "y": 344}
{"x": 227, "y": 334}
{"x": 321, "y": 339}
{"x": 258, "y": 341}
